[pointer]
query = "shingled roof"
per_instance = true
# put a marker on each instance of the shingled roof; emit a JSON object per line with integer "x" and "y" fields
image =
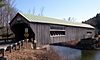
{"x": 42, "y": 19}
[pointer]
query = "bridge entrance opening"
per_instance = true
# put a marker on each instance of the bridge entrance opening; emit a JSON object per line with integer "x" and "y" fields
{"x": 19, "y": 31}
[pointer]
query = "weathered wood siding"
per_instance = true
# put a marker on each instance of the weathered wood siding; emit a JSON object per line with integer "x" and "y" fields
{"x": 57, "y": 38}
{"x": 16, "y": 21}
{"x": 77, "y": 33}
{"x": 42, "y": 33}
{"x": 71, "y": 33}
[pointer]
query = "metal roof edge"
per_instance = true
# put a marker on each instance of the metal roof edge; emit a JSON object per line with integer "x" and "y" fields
{"x": 67, "y": 23}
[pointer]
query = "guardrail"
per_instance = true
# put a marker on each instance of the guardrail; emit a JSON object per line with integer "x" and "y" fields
{"x": 9, "y": 47}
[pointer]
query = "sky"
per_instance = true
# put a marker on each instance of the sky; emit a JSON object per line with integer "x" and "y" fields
{"x": 78, "y": 10}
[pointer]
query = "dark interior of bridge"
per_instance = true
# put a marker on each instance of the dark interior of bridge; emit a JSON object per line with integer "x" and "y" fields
{"x": 19, "y": 30}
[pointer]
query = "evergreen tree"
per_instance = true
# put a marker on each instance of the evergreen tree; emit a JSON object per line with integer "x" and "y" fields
{"x": 1, "y": 3}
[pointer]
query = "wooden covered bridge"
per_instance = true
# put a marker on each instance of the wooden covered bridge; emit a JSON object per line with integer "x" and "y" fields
{"x": 48, "y": 30}
{"x": 44, "y": 30}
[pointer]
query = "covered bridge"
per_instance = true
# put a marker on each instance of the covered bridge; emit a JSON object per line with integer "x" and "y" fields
{"x": 48, "y": 30}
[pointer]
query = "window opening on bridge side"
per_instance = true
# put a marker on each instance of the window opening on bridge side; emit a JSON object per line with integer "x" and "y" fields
{"x": 88, "y": 34}
{"x": 57, "y": 33}
{"x": 56, "y": 30}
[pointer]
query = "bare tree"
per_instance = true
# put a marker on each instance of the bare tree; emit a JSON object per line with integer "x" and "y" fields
{"x": 41, "y": 11}
{"x": 71, "y": 19}
{"x": 64, "y": 19}
{"x": 7, "y": 13}
{"x": 34, "y": 11}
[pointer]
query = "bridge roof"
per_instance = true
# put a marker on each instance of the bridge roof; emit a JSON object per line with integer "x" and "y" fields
{"x": 42, "y": 19}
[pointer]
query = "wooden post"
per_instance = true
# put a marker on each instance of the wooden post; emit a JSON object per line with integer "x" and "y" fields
{"x": 3, "y": 52}
{"x": 19, "y": 45}
{"x": 15, "y": 46}
{"x": 34, "y": 44}
{"x": 27, "y": 43}
{"x": 22, "y": 42}
{"x": 10, "y": 47}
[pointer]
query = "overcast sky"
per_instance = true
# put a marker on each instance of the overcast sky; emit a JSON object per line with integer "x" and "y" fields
{"x": 81, "y": 10}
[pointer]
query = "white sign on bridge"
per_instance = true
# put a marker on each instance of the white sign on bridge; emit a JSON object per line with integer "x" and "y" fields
{"x": 26, "y": 29}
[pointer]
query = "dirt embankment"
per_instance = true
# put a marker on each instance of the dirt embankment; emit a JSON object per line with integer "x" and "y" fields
{"x": 30, "y": 54}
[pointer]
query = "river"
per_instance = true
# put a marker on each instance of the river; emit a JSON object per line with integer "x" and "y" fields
{"x": 74, "y": 54}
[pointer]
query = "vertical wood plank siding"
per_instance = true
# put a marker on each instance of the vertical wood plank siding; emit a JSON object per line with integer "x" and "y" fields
{"x": 77, "y": 33}
{"x": 57, "y": 39}
{"x": 42, "y": 33}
